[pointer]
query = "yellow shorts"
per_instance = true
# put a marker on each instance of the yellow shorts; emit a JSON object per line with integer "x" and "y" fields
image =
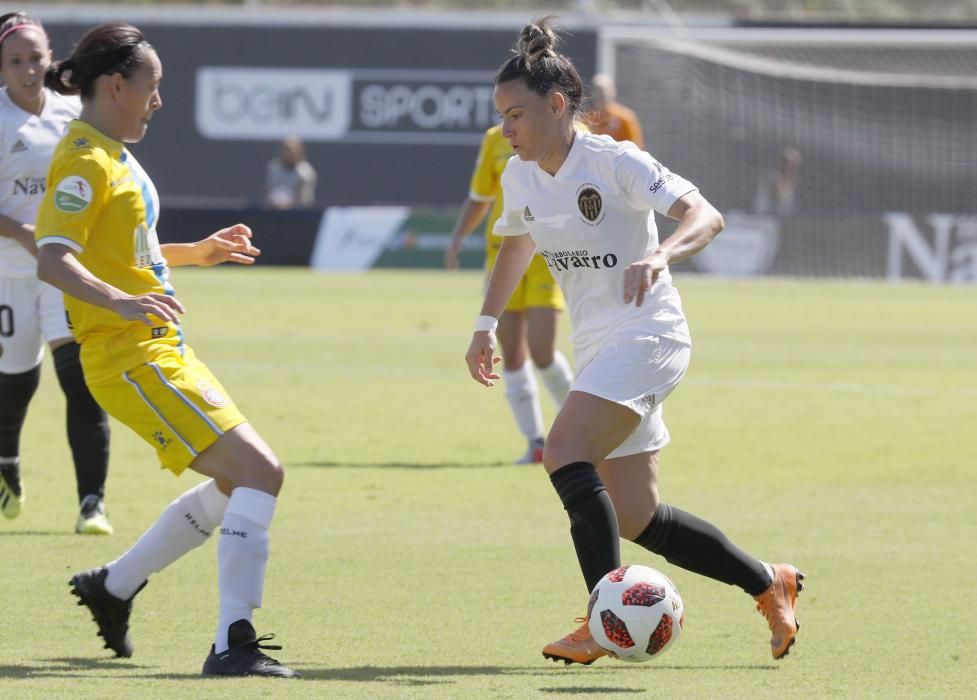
{"x": 537, "y": 288}
{"x": 174, "y": 403}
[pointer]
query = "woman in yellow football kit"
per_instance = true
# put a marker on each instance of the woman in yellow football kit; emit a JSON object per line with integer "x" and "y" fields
{"x": 531, "y": 316}
{"x": 96, "y": 234}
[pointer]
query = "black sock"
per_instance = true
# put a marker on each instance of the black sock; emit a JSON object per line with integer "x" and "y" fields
{"x": 88, "y": 426}
{"x": 692, "y": 543}
{"x": 16, "y": 391}
{"x": 593, "y": 523}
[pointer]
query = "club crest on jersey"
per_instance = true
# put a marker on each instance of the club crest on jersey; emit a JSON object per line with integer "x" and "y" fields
{"x": 211, "y": 395}
{"x": 590, "y": 204}
{"x": 73, "y": 194}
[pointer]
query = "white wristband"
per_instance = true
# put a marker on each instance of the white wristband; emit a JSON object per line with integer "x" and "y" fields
{"x": 486, "y": 323}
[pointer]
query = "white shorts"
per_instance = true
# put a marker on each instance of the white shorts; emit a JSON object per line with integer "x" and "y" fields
{"x": 638, "y": 371}
{"x": 31, "y": 312}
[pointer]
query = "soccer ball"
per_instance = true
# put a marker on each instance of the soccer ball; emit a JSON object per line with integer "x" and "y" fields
{"x": 635, "y": 613}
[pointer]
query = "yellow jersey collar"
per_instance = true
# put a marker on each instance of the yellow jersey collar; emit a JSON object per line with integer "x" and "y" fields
{"x": 81, "y": 130}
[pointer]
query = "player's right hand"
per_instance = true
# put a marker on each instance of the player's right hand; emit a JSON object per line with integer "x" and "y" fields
{"x": 451, "y": 257}
{"x": 481, "y": 358}
{"x": 140, "y": 308}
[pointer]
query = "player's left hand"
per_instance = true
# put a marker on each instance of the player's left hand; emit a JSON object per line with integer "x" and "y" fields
{"x": 640, "y": 276}
{"x": 481, "y": 358}
{"x": 232, "y": 244}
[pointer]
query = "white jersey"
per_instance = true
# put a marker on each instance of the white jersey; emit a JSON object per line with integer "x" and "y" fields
{"x": 590, "y": 221}
{"x": 27, "y": 144}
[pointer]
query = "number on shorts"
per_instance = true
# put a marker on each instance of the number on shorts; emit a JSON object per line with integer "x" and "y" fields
{"x": 6, "y": 321}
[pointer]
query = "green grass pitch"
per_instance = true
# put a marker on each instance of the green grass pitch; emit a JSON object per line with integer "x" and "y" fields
{"x": 830, "y": 424}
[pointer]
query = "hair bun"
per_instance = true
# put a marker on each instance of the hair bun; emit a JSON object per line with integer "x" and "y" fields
{"x": 537, "y": 40}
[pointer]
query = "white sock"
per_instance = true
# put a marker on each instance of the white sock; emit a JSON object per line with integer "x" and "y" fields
{"x": 242, "y": 553}
{"x": 185, "y": 524}
{"x": 523, "y": 396}
{"x": 557, "y": 378}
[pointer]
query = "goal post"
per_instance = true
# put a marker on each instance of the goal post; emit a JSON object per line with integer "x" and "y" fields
{"x": 831, "y": 152}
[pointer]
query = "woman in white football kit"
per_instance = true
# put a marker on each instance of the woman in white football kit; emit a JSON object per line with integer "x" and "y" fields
{"x": 587, "y": 204}
{"x": 32, "y": 121}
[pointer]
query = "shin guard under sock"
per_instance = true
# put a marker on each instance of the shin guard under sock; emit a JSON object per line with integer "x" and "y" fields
{"x": 698, "y": 546}
{"x": 593, "y": 523}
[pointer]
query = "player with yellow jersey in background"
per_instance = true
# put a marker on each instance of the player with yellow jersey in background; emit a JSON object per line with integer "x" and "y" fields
{"x": 96, "y": 235}
{"x": 530, "y": 317}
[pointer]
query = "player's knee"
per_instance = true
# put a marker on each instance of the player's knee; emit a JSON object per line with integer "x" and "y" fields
{"x": 265, "y": 474}
{"x": 562, "y": 449}
{"x": 633, "y": 516}
{"x": 276, "y": 476}
{"x": 542, "y": 357}
{"x": 515, "y": 359}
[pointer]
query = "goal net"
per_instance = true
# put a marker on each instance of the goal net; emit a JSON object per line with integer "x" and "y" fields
{"x": 830, "y": 152}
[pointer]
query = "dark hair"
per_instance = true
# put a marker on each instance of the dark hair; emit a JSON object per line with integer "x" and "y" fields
{"x": 12, "y": 19}
{"x": 104, "y": 50}
{"x": 538, "y": 63}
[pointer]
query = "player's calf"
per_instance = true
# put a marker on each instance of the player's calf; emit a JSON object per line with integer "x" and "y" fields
{"x": 16, "y": 391}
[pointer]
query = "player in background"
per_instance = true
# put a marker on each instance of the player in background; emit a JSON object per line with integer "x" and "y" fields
{"x": 531, "y": 315}
{"x": 609, "y": 116}
{"x": 593, "y": 201}
{"x": 32, "y": 120}
{"x": 96, "y": 234}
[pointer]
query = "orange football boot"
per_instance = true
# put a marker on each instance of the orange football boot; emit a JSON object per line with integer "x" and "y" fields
{"x": 777, "y": 604}
{"x": 578, "y": 647}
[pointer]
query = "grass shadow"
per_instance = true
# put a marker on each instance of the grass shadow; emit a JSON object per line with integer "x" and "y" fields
{"x": 581, "y": 690}
{"x": 68, "y": 667}
{"x": 396, "y": 465}
{"x": 439, "y": 675}
{"x": 408, "y": 674}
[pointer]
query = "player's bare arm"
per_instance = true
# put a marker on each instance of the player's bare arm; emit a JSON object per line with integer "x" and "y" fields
{"x": 471, "y": 215}
{"x": 20, "y": 232}
{"x": 699, "y": 223}
{"x": 231, "y": 244}
{"x": 58, "y": 266}
{"x": 514, "y": 257}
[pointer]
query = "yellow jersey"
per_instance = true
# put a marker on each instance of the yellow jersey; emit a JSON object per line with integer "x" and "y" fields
{"x": 101, "y": 204}
{"x": 486, "y": 184}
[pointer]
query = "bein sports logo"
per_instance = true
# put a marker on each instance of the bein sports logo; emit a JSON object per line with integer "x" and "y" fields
{"x": 271, "y": 103}
{"x": 357, "y": 105}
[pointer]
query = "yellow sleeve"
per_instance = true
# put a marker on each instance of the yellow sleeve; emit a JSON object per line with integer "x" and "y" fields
{"x": 484, "y": 186}
{"x": 77, "y": 187}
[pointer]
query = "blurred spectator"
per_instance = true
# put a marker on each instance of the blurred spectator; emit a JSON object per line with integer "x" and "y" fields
{"x": 776, "y": 187}
{"x": 611, "y": 117}
{"x": 290, "y": 179}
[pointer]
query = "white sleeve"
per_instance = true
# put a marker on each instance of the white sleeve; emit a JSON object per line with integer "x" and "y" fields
{"x": 510, "y": 222}
{"x": 646, "y": 183}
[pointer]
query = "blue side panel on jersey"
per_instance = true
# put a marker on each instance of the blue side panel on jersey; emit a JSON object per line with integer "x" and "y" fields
{"x": 160, "y": 270}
